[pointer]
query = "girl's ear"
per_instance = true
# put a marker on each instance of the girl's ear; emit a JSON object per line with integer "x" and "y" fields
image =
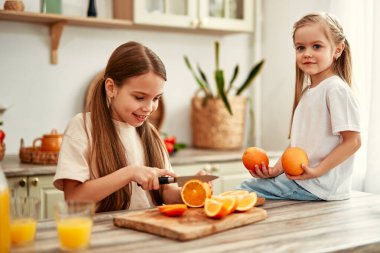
{"x": 110, "y": 87}
{"x": 339, "y": 50}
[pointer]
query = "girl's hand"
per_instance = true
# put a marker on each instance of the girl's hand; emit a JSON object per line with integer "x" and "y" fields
{"x": 308, "y": 173}
{"x": 147, "y": 177}
{"x": 265, "y": 172}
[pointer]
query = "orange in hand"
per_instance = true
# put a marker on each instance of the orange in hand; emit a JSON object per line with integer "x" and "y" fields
{"x": 254, "y": 156}
{"x": 292, "y": 161}
{"x": 195, "y": 192}
{"x": 172, "y": 210}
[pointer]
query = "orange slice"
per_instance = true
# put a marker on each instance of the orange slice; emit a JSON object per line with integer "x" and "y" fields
{"x": 246, "y": 201}
{"x": 229, "y": 202}
{"x": 173, "y": 210}
{"x": 195, "y": 192}
{"x": 215, "y": 208}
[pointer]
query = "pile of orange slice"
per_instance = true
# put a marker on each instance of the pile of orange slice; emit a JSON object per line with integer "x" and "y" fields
{"x": 229, "y": 202}
{"x": 196, "y": 193}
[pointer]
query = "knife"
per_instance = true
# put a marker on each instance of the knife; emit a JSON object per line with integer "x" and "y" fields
{"x": 182, "y": 180}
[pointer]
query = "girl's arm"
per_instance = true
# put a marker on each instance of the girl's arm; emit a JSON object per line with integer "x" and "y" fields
{"x": 350, "y": 144}
{"x": 98, "y": 189}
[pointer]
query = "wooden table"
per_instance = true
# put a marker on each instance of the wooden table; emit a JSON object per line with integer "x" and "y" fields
{"x": 292, "y": 226}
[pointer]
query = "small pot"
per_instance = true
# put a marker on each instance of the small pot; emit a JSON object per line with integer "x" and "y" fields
{"x": 49, "y": 142}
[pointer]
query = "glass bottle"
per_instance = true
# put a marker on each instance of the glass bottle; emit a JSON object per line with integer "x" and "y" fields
{"x": 91, "y": 12}
{"x": 5, "y": 237}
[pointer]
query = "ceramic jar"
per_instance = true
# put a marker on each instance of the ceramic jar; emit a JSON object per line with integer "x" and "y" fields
{"x": 49, "y": 142}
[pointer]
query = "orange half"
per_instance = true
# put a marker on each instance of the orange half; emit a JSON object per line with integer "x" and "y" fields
{"x": 195, "y": 192}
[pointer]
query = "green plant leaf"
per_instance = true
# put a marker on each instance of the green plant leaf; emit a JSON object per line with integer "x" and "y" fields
{"x": 234, "y": 75}
{"x": 219, "y": 78}
{"x": 216, "y": 55}
{"x": 204, "y": 77}
{"x": 252, "y": 74}
{"x": 201, "y": 84}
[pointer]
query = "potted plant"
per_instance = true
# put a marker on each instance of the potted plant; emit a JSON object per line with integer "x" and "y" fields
{"x": 218, "y": 118}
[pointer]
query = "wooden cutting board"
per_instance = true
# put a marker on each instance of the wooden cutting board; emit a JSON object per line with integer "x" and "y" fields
{"x": 191, "y": 225}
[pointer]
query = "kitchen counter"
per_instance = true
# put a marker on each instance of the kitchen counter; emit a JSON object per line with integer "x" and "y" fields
{"x": 13, "y": 167}
{"x": 292, "y": 226}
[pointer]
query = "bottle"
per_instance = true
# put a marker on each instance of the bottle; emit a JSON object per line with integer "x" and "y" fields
{"x": 91, "y": 12}
{"x": 5, "y": 236}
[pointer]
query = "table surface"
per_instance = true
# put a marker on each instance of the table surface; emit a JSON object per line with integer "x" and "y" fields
{"x": 292, "y": 226}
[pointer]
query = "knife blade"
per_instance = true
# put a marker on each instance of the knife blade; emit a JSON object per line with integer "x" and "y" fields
{"x": 182, "y": 180}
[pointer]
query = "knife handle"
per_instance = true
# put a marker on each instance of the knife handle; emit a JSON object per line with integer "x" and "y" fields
{"x": 165, "y": 180}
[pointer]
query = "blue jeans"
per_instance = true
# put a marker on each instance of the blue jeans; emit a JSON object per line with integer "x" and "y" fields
{"x": 279, "y": 187}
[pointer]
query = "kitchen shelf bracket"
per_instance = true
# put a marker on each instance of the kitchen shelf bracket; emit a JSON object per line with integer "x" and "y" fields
{"x": 55, "y": 36}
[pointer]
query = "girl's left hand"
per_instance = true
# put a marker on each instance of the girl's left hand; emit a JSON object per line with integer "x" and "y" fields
{"x": 308, "y": 173}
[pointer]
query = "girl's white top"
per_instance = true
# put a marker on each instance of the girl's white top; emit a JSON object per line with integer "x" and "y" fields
{"x": 73, "y": 162}
{"x": 322, "y": 113}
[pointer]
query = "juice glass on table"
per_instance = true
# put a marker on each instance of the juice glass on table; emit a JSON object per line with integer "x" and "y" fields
{"x": 24, "y": 215}
{"x": 74, "y": 223}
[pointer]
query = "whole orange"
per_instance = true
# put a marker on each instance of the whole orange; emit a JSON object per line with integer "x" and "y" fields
{"x": 292, "y": 161}
{"x": 254, "y": 156}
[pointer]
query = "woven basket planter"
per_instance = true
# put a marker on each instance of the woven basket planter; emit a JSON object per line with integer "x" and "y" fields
{"x": 213, "y": 127}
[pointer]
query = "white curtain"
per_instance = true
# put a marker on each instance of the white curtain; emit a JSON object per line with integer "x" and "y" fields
{"x": 362, "y": 28}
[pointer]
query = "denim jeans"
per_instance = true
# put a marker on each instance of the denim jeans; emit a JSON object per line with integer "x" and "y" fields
{"x": 279, "y": 187}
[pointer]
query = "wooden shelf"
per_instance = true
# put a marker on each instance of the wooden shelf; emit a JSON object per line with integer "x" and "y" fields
{"x": 57, "y": 22}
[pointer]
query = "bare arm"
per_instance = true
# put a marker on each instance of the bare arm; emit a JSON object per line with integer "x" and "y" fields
{"x": 350, "y": 144}
{"x": 98, "y": 189}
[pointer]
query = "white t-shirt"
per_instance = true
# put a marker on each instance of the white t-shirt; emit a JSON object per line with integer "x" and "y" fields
{"x": 322, "y": 113}
{"x": 74, "y": 161}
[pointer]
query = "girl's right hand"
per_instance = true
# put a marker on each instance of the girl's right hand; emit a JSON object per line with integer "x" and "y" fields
{"x": 147, "y": 177}
{"x": 265, "y": 172}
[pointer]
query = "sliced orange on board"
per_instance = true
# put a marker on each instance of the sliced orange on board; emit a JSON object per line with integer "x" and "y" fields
{"x": 229, "y": 202}
{"x": 173, "y": 210}
{"x": 195, "y": 192}
{"x": 215, "y": 208}
{"x": 246, "y": 201}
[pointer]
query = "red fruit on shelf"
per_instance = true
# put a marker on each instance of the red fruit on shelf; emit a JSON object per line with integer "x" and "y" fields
{"x": 2, "y": 136}
{"x": 170, "y": 139}
{"x": 169, "y": 147}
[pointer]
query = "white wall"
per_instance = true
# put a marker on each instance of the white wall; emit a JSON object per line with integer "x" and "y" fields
{"x": 42, "y": 96}
{"x": 279, "y": 73}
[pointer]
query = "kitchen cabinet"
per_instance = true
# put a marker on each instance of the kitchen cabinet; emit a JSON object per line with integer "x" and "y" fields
{"x": 40, "y": 186}
{"x": 221, "y": 15}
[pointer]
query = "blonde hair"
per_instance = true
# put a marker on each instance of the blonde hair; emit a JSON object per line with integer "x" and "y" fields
{"x": 107, "y": 153}
{"x": 334, "y": 33}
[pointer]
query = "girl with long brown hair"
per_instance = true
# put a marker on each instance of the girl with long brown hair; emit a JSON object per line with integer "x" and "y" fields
{"x": 325, "y": 119}
{"x": 112, "y": 154}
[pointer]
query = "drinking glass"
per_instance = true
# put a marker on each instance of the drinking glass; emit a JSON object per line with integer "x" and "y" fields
{"x": 74, "y": 223}
{"x": 24, "y": 215}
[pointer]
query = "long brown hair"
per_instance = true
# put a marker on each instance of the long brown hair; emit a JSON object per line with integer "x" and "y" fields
{"x": 334, "y": 33}
{"x": 107, "y": 153}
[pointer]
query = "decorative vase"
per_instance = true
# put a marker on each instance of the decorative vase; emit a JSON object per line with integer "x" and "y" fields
{"x": 212, "y": 125}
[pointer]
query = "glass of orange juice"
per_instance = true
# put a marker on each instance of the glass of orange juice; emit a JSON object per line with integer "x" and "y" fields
{"x": 24, "y": 215}
{"x": 74, "y": 223}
